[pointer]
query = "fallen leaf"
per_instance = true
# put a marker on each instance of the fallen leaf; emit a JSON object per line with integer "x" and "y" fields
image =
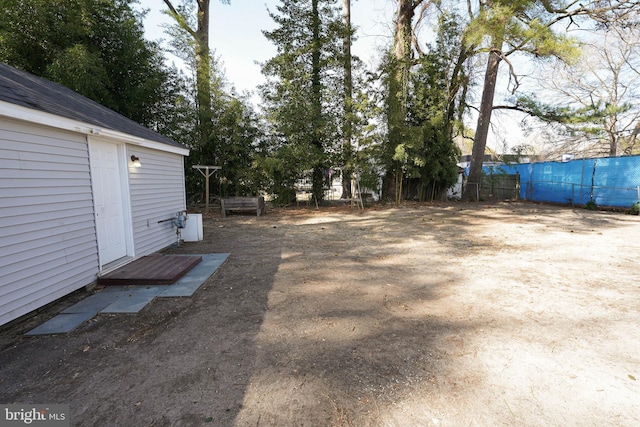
{"x": 86, "y": 348}
{"x": 632, "y": 377}
{"x": 208, "y": 419}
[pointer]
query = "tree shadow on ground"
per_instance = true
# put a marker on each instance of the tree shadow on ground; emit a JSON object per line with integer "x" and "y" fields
{"x": 316, "y": 318}
{"x": 354, "y": 322}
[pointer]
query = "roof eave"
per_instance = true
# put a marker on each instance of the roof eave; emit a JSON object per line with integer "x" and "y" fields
{"x": 18, "y": 112}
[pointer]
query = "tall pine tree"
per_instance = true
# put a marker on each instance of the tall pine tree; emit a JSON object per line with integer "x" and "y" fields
{"x": 301, "y": 94}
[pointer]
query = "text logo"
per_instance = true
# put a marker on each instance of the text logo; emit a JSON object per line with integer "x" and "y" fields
{"x": 34, "y": 415}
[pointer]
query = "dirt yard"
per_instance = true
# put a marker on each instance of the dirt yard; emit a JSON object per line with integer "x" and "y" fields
{"x": 423, "y": 315}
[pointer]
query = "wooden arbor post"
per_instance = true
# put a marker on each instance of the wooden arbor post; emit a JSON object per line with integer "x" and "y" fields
{"x": 207, "y": 171}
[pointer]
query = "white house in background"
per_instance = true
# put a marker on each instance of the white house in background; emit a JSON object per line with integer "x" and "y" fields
{"x": 72, "y": 202}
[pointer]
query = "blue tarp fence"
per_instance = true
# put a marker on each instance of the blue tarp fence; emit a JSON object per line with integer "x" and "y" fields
{"x": 607, "y": 181}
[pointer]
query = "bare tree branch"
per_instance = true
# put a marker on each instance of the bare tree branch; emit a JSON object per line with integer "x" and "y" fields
{"x": 179, "y": 18}
{"x": 414, "y": 30}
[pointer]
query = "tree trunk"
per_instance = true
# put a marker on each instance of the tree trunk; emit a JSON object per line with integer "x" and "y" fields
{"x": 203, "y": 75}
{"x": 632, "y": 139}
{"x": 610, "y": 128}
{"x": 459, "y": 83}
{"x": 397, "y": 97}
{"x": 347, "y": 149}
{"x": 484, "y": 120}
{"x": 316, "y": 104}
{"x": 203, "y": 71}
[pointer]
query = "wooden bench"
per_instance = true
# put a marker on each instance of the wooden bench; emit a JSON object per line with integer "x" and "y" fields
{"x": 243, "y": 204}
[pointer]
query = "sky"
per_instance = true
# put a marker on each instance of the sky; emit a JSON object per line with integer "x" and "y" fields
{"x": 236, "y": 33}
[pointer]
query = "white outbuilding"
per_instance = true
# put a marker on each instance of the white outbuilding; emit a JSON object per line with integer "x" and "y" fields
{"x": 83, "y": 190}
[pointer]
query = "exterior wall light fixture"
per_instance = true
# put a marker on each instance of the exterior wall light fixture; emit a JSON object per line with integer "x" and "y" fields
{"x": 136, "y": 161}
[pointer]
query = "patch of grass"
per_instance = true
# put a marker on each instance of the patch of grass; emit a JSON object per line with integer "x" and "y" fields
{"x": 591, "y": 205}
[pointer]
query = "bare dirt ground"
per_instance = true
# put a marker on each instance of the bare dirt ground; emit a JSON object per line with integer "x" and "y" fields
{"x": 423, "y": 315}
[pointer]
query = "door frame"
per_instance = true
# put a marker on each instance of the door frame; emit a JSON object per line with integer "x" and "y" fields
{"x": 123, "y": 171}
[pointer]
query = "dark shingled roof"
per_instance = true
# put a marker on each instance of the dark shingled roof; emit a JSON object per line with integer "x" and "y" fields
{"x": 24, "y": 89}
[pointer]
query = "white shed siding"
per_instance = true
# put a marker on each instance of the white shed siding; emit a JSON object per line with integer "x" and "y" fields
{"x": 47, "y": 233}
{"x": 157, "y": 193}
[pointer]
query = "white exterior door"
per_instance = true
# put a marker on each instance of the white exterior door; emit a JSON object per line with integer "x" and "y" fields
{"x": 106, "y": 179}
